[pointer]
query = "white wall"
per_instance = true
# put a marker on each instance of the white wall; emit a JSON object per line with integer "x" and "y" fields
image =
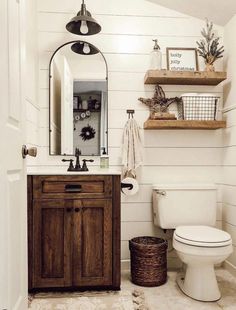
{"x": 126, "y": 41}
{"x": 31, "y": 91}
{"x": 229, "y": 155}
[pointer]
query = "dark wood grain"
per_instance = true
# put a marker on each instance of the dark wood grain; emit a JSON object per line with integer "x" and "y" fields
{"x": 30, "y": 229}
{"x": 96, "y": 244}
{"x": 116, "y": 219}
{"x": 74, "y": 240}
{"x": 52, "y": 187}
{"x": 51, "y": 243}
{"x": 60, "y": 187}
{"x": 93, "y": 245}
{"x": 77, "y": 244}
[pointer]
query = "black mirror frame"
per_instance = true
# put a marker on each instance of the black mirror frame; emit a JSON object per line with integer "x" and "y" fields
{"x": 49, "y": 79}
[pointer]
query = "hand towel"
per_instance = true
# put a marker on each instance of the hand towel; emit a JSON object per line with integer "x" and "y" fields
{"x": 132, "y": 157}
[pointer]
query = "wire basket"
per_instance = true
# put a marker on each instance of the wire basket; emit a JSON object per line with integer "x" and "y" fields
{"x": 202, "y": 108}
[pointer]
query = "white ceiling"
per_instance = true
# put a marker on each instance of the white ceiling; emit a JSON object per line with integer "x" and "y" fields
{"x": 217, "y": 11}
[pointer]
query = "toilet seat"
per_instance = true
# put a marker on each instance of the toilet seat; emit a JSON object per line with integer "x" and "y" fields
{"x": 202, "y": 236}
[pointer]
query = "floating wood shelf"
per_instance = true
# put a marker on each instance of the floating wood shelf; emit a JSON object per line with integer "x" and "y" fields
{"x": 182, "y": 124}
{"x": 184, "y": 77}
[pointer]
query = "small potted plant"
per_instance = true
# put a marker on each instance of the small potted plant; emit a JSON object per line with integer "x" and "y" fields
{"x": 209, "y": 48}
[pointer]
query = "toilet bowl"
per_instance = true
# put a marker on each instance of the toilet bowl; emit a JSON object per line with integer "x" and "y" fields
{"x": 200, "y": 248}
{"x": 190, "y": 209}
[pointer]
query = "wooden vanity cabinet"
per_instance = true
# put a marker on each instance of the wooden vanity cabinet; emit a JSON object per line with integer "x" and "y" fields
{"x": 74, "y": 232}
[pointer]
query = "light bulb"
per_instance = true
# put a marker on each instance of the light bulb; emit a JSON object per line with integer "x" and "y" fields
{"x": 84, "y": 27}
{"x": 86, "y": 48}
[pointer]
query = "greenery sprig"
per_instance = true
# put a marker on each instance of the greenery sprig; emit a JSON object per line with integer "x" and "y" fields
{"x": 209, "y": 48}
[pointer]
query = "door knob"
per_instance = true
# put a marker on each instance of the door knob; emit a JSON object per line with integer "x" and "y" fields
{"x": 32, "y": 151}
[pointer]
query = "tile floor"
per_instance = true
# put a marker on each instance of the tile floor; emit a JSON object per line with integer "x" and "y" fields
{"x": 165, "y": 297}
{"x": 169, "y": 297}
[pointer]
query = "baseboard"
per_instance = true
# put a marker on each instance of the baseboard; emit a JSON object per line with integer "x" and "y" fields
{"x": 125, "y": 265}
{"x": 230, "y": 267}
{"x": 176, "y": 264}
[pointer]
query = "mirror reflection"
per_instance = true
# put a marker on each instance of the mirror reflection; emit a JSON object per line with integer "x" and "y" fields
{"x": 78, "y": 100}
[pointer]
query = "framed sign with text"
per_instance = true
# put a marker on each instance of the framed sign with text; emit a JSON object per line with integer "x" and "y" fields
{"x": 182, "y": 59}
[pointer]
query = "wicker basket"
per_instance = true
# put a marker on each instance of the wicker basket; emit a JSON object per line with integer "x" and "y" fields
{"x": 148, "y": 261}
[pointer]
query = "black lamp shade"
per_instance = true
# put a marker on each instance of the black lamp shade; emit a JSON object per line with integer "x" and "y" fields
{"x": 78, "y": 48}
{"x": 74, "y": 26}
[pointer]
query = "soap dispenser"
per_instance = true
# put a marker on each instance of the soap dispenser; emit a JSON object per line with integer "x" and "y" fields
{"x": 156, "y": 57}
{"x": 104, "y": 159}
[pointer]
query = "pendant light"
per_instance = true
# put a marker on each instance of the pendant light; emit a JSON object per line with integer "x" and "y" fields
{"x": 83, "y": 24}
{"x": 84, "y": 48}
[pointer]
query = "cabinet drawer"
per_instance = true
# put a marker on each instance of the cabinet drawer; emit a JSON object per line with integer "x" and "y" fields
{"x": 72, "y": 187}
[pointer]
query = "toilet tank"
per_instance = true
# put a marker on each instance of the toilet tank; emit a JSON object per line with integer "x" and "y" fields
{"x": 184, "y": 204}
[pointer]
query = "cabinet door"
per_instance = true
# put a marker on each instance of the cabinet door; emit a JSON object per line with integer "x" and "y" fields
{"x": 92, "y": 246}
{"x": 52, "y": 220}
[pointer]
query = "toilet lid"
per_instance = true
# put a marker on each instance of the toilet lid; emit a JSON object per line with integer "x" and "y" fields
{"x": 203, "y": 236}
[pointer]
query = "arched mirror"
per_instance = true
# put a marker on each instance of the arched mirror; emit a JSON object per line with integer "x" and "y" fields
{"x": 78, "y": 87}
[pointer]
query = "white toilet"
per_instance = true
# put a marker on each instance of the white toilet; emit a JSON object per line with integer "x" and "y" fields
{"x": 191, "y": 211}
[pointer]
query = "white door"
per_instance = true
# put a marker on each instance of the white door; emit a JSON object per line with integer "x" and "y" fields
{"x": 13, "y": 208}
{"x": 67, "y": 122}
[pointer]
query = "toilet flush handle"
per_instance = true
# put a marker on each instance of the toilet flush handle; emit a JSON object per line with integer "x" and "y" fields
{"x": 159, "y": 192}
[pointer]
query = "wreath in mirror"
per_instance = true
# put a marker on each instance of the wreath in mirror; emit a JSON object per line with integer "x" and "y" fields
{"x": 87, "y": 133}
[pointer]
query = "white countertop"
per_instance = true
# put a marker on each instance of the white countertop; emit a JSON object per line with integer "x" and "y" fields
{"x": 63, "y": 171}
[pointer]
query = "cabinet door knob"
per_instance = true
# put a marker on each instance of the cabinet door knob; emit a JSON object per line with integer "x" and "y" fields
{"x": 69, "y": 210}
{"x": 77, "y": 209}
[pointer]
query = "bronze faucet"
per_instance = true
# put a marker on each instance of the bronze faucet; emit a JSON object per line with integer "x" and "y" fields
{"x": 84, "y": 167}
{"x": 71, "y": 166}
{"x": 77, "y": 155}
{"x": 77, "y": 166}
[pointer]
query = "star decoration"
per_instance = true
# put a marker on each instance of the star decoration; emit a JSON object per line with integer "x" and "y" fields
{"x": 159, "y": 103}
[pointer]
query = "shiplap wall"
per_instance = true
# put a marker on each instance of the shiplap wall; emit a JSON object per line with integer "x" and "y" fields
{"x": 229, "y": 140}
{"x": 31, "y": 67}
{"x": 126, "y": 41}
